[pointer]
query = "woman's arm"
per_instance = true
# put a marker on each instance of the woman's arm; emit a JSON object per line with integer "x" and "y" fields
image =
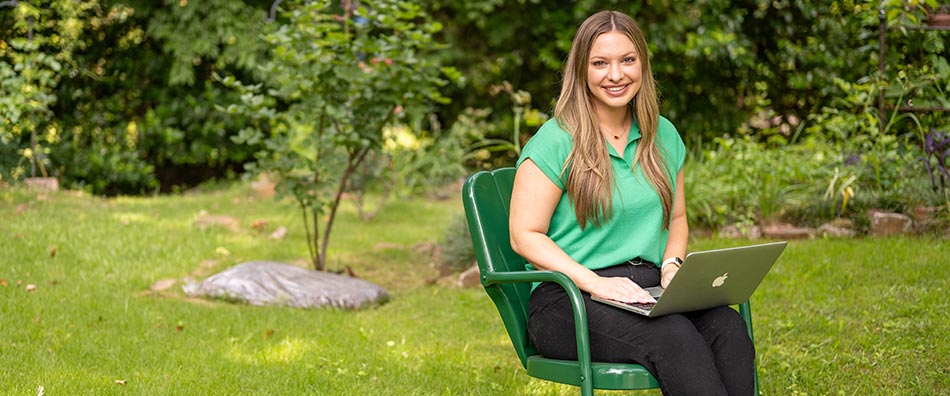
{"x": 679, "y": 233}
{"x": 533, "y": 200}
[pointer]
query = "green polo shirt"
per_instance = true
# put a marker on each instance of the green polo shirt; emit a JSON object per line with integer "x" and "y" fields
{"x": 635, "y": 229}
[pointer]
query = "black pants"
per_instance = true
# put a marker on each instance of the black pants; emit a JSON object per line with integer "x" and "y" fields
{"x": 697, "y": 353}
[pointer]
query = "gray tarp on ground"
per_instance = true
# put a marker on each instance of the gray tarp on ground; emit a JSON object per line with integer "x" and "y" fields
{"x": 271, "y": 283}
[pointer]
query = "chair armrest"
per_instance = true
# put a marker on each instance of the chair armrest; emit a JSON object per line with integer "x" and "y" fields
{"x": 528, "y": 276}
{"x": 577, "y": 305}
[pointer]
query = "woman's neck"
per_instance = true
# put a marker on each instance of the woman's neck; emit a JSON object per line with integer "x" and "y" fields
{"x": 614, "y": 122}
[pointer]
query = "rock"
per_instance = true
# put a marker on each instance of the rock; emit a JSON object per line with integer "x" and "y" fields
{"x": 788, "y": 231}
{"x": 470, "y": 278}
{"x": 730, "y": 231}
{"x": 41, "y": 184}
{"x": 835, "y": 231}
{"x": 272, "y": 283}
{"x": 755, "y": 232}
{"x": 924, "y": 218}
{"x": 886, "y": 223}
{"x": 738, "y": 231}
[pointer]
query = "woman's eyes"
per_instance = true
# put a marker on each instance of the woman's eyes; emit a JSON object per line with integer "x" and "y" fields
{"x": 599, "y": 63}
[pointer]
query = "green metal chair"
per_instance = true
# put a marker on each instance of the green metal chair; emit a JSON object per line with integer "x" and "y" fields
{"x": 486, "y": 197}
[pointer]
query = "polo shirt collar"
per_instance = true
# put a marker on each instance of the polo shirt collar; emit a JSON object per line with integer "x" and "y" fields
{"x": 633, "y": 136}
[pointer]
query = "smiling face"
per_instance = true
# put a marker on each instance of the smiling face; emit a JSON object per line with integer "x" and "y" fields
{"x": 613, "y": 72}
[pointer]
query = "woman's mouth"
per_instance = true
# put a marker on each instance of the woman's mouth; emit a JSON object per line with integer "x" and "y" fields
{"x": 616, "y": 90}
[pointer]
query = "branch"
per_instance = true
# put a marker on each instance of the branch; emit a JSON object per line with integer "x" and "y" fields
{"x": 267, "y": 17}
{"x": 11, "y": 3}
{"x": 306, "y": 227}
{"x": 354, "y": 161}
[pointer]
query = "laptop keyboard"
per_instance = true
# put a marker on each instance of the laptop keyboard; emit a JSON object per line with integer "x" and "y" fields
{"x": 646, "y": 306}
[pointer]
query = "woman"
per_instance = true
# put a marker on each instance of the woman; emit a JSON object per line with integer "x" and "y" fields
{"x": 598, "y": 196}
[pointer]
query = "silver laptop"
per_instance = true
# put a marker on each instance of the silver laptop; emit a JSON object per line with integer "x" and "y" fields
{"x": 710, "y": 279}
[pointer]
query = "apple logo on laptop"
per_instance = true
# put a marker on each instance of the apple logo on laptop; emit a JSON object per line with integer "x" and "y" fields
{"x": 720, "y": 280}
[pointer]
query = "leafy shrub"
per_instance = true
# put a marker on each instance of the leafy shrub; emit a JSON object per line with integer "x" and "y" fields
{"x": 335, "y": 80}
{"x": 807, "y": 183}
{"x": 456, "y": 253}
{"x": 742, "y": 181}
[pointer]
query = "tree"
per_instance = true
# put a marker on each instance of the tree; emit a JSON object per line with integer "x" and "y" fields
{"x": 30, "y": 71}
{"x": 119, "y": 92}
{"x": 337, "y": 76}
{"x": 718, "y": 63}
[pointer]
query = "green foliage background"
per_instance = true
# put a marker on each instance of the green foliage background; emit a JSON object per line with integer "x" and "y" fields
{"x": 717, "y": 62}
{"x": 133, "y": 103}
{"x": 120, "y": 96}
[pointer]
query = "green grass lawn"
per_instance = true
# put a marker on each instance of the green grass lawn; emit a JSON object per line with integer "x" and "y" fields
{"x": 835, "y": 317}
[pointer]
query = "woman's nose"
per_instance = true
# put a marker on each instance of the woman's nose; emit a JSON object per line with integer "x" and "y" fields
{"x": 615, "y": 74}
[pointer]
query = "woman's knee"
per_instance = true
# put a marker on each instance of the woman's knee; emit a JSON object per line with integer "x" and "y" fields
{"x": 676, "y": 334}
{"x": 724, "y": 329}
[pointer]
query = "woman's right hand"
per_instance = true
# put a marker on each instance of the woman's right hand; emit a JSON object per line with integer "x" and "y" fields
{"x": 619, "y": 289}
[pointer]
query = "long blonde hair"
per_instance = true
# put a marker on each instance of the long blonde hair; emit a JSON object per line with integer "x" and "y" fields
{"x": 590, "y": 175}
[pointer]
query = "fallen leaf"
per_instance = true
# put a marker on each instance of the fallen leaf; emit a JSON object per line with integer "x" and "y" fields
{"x": 279, "y": 233}
{"x": 120, "y": 382}
{"x": 52, "y": 251}
{"x": 228, "y": 222}
{"x": 222, "y": 251}
{"x": 3, "y": 282}
{"x": 259, "y": 225}
{"x": 269, "y": 333}
{"x": 30, "y": 287}
{"x": 163, "y": 284}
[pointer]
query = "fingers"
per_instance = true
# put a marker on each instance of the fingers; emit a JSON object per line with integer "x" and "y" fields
{"x": 623, "y": 290}
{"x": 665, "y": 280}
{"x": 667, "y": 276}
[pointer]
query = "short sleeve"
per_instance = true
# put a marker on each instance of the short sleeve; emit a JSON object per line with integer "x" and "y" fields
{"x": 673, "y": 147}
{"x": 548, "y": 149}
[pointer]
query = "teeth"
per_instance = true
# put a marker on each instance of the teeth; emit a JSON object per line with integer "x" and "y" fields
{"x": 616, "y": 89}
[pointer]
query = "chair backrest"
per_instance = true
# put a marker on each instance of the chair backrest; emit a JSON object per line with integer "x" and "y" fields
{"x": 486, "y": 197}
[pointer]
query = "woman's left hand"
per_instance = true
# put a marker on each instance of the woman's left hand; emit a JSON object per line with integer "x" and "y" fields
{"x": 667, "y": 273}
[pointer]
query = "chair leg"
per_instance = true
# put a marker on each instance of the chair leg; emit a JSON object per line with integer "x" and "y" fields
{"x": 587, "y": 388}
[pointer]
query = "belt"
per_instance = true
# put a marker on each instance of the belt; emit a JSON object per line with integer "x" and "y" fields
{"x": 638, "y": 261}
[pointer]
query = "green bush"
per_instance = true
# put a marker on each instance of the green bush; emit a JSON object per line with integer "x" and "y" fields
{"x": 455, "y": 247}
{"x": 119, "y": 94}
{"x": 808, "y": 183}
{"x": 742, "y": 181}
